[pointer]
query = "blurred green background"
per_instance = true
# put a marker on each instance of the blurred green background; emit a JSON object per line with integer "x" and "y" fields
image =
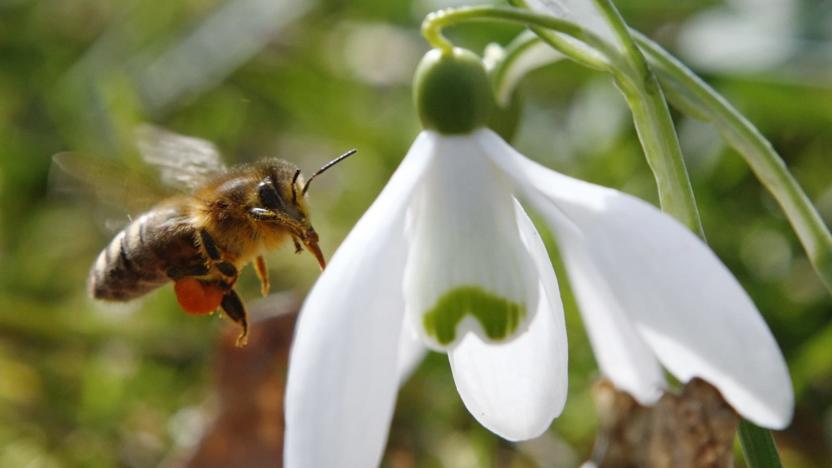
{"x": 87, "y": 385}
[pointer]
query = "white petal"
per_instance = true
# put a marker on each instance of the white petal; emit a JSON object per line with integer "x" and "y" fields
{"x": 516, "y": 389}
{"x": 467, "y": 268}
{"x": 343, "y": 366}
{"x": 622, "y": 354}
{"x": 679, "y": 296}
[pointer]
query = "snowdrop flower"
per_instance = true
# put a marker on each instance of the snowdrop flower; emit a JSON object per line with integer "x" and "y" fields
{"x": 447, "y": 258}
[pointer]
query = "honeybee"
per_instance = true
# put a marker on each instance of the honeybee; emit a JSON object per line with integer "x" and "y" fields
{"x": 221, "y": 220}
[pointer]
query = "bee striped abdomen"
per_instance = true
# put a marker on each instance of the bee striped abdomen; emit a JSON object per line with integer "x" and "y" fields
{"x": 138, "y": 258}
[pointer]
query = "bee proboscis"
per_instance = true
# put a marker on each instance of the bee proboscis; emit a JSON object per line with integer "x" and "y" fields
{"x": 221, "y": 220}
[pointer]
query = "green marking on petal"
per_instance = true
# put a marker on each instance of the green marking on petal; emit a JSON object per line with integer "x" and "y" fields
{"x": 498, "y": 316}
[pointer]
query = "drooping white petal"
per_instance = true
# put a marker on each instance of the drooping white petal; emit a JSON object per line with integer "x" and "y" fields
{"x": 622, "y": 354}
{"x": 516, "y": 389}
{"x": 343, "y": 374}
{"x": 678, "y": 295}
{"x": 467, "y": 268}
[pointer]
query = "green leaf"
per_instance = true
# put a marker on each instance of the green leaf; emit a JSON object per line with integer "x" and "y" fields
{"x": 758, "y": 446}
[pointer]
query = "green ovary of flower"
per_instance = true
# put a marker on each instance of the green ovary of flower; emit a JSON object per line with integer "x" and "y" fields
{"x": 498, "y": 316}
{"x": 452, "y": 91}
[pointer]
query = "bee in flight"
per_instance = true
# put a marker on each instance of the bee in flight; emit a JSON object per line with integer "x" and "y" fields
{"x": 202, "y": 237}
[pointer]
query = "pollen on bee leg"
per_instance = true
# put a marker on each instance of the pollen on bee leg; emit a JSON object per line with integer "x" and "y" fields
{"x": 197, "y": 298}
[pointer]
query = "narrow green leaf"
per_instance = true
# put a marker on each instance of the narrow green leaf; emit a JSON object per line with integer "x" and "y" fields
{"x": 758, "y": 446}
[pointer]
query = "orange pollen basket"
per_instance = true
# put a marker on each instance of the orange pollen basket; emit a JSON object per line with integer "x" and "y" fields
{"x": 197, "y": 298}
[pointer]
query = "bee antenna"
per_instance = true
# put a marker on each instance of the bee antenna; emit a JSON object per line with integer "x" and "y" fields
{"x": 294, "y": 181}
{"x": 327, "y": 166}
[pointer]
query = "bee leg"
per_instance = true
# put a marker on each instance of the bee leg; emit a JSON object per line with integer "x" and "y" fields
{"x": 228, "y": 270}
{"x": 215, "y": 257}
{"x": 208, "y": 244}
{"x": 263, "y": 274}
{"x": 262, "y": 214}
{"x": 233, "y": 306}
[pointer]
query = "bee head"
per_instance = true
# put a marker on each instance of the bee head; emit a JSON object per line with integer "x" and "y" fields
{"x": 281, "y": 200}
{"x": 277, "y": 204}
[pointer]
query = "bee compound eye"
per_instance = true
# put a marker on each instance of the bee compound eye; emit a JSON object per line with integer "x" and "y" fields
{"x": 269, "y": 196}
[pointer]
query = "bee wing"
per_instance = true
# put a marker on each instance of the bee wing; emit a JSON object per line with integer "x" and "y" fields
{"x": 111, "y": 182}
{"x": 183, "y": 161}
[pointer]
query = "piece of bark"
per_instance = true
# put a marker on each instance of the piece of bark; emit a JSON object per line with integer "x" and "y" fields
{"x": 250, "y": 382}
{"x": 693, "y": 429}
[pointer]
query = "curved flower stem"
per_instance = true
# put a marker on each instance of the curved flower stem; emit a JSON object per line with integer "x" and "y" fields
{"x": 502, "y": 67}
{"x": 664, "y": 156}
{"x": 622, "y": 31}
{"x": 595, "y": 62}
{"x": 654, "y": 126}
{"x": 434, "y": 23}
{"x": 586, "y": 56}
{"x": 754, "y": 148}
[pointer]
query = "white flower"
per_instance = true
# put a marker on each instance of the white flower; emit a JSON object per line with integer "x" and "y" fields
{"x": 447, "y": 258}
{"x": 650, "y": 293}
